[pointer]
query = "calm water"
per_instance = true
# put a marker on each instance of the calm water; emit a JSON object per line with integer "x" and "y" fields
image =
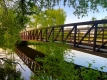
{"x": 80, "y": 58}
{"x": 83, "y": 59}
{"x": 25, "y": 74}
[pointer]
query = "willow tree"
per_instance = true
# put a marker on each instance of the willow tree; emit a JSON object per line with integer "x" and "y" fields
{"x": 48, "y": 18}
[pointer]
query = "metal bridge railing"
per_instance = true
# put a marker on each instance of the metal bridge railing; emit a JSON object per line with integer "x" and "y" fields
{"x": 94, "y": 36}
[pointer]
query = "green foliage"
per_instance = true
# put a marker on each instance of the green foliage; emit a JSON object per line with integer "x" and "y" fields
{"x": 56, "y": 68}
{"x": 8, "y": 34}
{"x": 47, "y": 18}
{"x": 104, "y": 25}
{"x": 101, "y": 25}
{"x": 14, "y": 15}
{"x": 10, "y": 26}
{"x": 94, "y": 18}
{"x": 81, "y": 7}
{"x": 8, "y": 71}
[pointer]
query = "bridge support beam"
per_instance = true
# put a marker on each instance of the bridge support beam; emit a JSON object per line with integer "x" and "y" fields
{"x": 95, "y": 36}
{"x": 75, "y": 32}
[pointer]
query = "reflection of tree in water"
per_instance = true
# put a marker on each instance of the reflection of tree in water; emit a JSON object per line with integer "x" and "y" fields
{"x": 8, "y": 65}
{"x": 8, "y": 70}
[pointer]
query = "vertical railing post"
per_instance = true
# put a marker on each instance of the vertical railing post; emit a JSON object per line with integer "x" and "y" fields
{"x": 62, "y": 35}
{"x": 95, "y": 37}
{"x": 78, "y": 35}
{"x": 37, "y": 31}
{"x": 41, "y": 34}
{"x": 103, "y": 37}
{"x": 27, "y": 35}
{"x": 89, "y": 37}
{"x": 46, "y": 35}
{"x": 23, "y": 34}
{"x": 30, "y": 35}
{"x": 75, "y": 32}
{"x": 33, "y": 35}
{"x": 53, "y": 34}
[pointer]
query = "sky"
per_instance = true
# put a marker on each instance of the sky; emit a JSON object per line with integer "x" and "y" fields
{"x": 71, "y": 18}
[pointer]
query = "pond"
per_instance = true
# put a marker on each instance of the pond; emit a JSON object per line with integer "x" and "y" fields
{"x": 80, "y": 58}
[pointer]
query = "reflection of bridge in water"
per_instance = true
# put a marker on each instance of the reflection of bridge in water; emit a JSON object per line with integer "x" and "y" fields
{"x": 28, "y": 56}
{"x": 93, "y": 39}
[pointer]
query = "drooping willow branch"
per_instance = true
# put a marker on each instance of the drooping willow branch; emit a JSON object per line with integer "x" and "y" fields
{"x": 4, "y": 59}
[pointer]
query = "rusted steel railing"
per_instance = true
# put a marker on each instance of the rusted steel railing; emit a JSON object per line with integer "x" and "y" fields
{"x": 93, "y": 37}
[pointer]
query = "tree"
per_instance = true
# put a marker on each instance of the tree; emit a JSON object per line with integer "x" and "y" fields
{"x": 101, "y": 25}
{"x": 14, "y": 13}
{"x": 47, "y": 18}
{"x": 104, "y": 25}
{"x": 94, "y": 18}
{"x": 9, "y": 26}
{"x": 13, "y": 17}
{"x": 81, "y": 7}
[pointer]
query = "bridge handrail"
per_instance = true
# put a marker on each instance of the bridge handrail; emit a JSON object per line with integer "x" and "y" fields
{"x": 73, "y": 24}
